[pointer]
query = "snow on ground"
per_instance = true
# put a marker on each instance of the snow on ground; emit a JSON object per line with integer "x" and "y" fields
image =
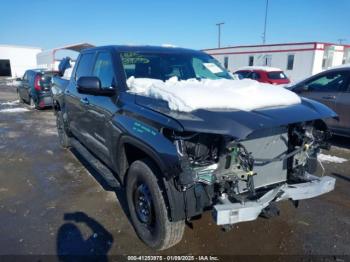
{"x": 331, "y": 159}
{"x": 13, "y": 110}
{"x": 10, "y": 103}
{"x": 192, "y": 94}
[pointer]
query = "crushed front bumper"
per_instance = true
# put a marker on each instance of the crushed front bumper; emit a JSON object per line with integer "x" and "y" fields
{"x": 227, "y": 212}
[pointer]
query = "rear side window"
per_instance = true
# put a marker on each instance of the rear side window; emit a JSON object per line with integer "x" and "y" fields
{"x": 104, "y": 70}
{"x": 84, "y": 66}
{"x": 276, "y": 75}
{"x": 255, "y": 75}
{"x": 25, "y": 77}
{"x": 244, "y": 74}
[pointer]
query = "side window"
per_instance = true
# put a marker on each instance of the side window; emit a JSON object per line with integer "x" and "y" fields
{"x": 251, "y": 60}
{"x": 25, "y": 77}
{"x": 331, "y": 82}
{"x": 84, "y": 66}
{"x": 103, "y": 69}
{"x": 290, "y": 62}
{"x": 268, "y": 60}
{"x": 226, "y": 62}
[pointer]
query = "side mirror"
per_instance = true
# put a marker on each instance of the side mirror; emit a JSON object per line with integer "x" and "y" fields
{"x": 91, "y": 85}
{"x": 18, "y": 79}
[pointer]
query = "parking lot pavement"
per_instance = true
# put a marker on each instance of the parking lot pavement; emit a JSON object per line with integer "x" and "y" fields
{"x": 52, "y": 203}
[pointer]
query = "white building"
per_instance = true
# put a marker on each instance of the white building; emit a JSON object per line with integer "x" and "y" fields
{"x": 50, "y": 59}
{"x": 15, "y": 60}
{"x": 298, "y": 60}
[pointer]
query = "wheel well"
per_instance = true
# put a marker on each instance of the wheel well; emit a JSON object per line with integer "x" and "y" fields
{"x": 132, "y": 153}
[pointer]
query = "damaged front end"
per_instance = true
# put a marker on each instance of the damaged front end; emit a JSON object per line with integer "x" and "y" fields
{"x": 242, "y": 177}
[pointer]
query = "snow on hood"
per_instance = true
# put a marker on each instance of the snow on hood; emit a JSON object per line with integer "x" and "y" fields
{"x": 192, "y": 94}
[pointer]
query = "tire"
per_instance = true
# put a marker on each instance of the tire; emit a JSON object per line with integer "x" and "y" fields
{"x": 20, "y": 99}
{"x": 151, "y": 223}
{"x": 32, "y": 104}
{"x": 61, "y": 130}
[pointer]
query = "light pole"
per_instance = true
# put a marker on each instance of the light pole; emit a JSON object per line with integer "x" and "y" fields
{"x": 341, "y": 40}
{"x": 264, "y": 33}
{"x": 219, "y": 33}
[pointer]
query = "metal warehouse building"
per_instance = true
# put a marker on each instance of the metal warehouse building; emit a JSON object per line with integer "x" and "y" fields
{"x": 298, "y": 60}
{"x": 14, "y": 60}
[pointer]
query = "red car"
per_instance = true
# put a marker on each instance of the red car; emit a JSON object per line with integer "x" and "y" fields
{"x": 264, "y": 74}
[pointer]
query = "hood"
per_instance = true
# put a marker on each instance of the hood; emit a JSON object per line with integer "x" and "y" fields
{"x": 238, "y": 123}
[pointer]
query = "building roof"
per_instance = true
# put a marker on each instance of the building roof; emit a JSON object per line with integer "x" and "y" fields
{"x": 279, "y": 44}
{"x": 74, "y": 47}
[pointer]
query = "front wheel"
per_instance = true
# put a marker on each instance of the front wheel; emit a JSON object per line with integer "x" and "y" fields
{"x": 62, "y": 134}
{"x": 148, "y": 209}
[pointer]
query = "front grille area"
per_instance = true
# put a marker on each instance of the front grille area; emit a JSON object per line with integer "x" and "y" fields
{"x": 268, "y": 144}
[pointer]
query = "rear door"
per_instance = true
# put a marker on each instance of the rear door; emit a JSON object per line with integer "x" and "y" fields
{"x": 101, "y": 108}
{"x": 23, "y": 86}
{"x": 76, "y": 103}
{"x": 326, "y": 88}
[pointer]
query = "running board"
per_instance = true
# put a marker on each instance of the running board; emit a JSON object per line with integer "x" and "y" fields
{"x": 101, "y": 168}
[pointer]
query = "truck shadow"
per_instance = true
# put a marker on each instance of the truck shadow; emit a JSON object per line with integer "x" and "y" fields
{"x": 340, "y": 141}
{"x": 72, "y": 246}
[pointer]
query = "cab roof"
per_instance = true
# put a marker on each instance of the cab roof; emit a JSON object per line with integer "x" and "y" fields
{"x": 145, "y": 48}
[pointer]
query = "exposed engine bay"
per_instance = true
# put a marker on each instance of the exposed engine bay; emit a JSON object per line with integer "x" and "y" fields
{"x": 246, "y": 169}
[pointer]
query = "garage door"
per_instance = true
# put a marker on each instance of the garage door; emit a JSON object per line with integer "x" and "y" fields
{"x": 5, "y": 67}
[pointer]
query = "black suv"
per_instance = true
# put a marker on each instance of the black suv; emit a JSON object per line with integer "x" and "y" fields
{"x": 35, "y": 88}
{"x": 176, "y": 165}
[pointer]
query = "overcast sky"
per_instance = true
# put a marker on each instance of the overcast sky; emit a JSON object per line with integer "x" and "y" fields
{"x": 186, "y": 23}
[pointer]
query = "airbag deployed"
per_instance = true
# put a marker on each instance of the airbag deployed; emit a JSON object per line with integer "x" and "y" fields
{"x": 192, "y": 94}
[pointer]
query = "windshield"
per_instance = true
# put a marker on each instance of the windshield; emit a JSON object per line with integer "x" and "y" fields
{"x": 276, "y": 75}
{"x": 164, "y": 66}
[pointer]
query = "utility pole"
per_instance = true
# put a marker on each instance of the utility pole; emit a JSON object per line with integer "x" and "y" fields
{"x": 264, "y": 33}
{"x": 219, "y": 33}
{"x": 341, "y": 40}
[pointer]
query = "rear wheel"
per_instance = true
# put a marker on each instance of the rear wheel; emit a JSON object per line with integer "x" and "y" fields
{"x": 62, "y": 134}
{"x": 32, "y": 103}
{"x": 20, "y": 99}
{"x": 148, "y": 210}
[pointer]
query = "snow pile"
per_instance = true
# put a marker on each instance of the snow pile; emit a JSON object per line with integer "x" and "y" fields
{"x": 13, "y": 110}
{"x": 192, "y": 94}
{"x": 331, "y": 159}
{"x": 9, "y": 103}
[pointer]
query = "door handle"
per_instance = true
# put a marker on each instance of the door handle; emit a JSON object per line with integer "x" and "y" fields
{"x": 84, "y": 101}
{"x": 329, "y": 97}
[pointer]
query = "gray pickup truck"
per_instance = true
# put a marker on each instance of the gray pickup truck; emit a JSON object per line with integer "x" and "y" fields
{"x": 176, "y": 165}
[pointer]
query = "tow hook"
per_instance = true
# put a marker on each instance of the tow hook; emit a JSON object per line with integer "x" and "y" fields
{"x": 270, "y": 211}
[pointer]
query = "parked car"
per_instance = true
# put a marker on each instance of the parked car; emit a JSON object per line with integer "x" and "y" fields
{"x": 175, "y": 165}
{"x": 264, "y": 74}
{"x": 332, "y": 88}
{"x": 35, "y": 88}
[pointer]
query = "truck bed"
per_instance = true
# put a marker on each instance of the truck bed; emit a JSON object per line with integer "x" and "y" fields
{"x": 59, "y": 84}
